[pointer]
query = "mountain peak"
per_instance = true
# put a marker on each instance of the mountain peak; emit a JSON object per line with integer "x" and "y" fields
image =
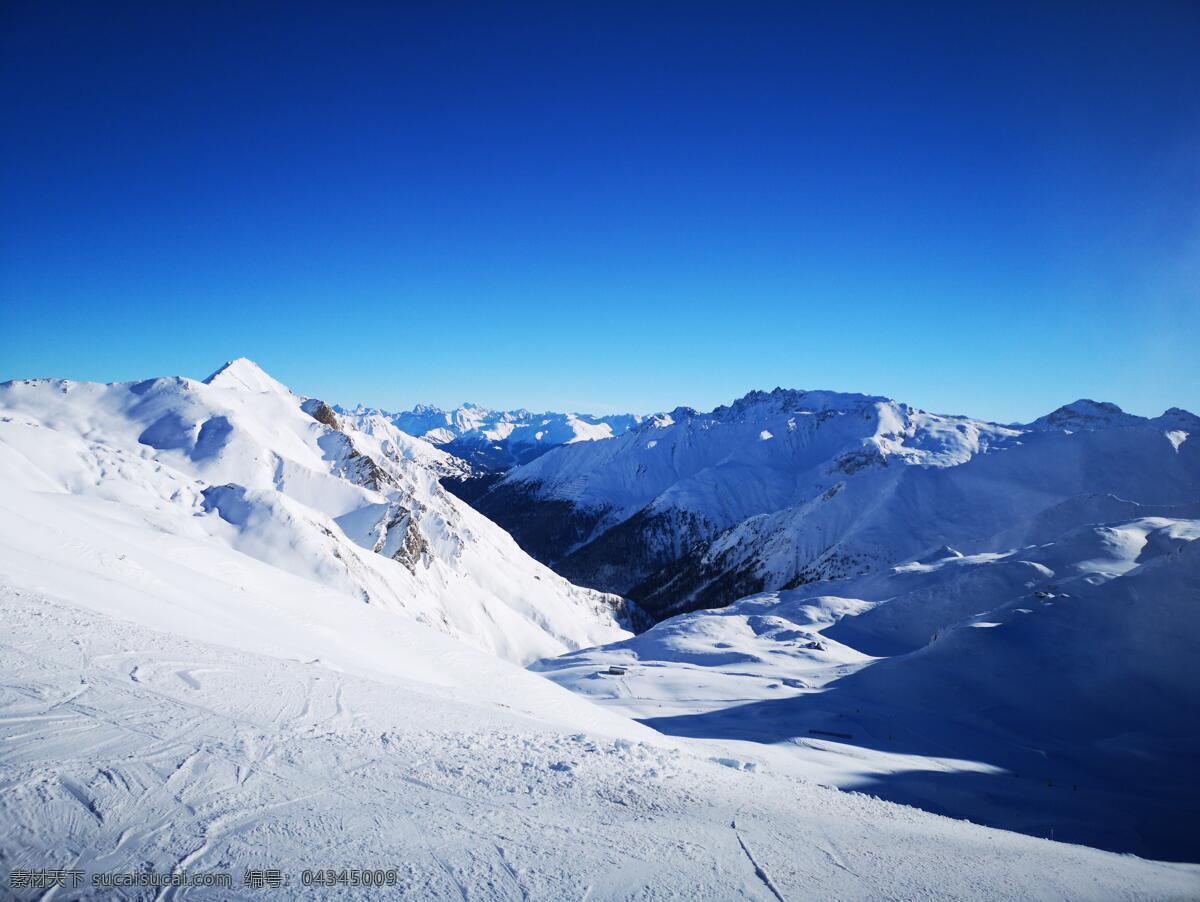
{"x": 1178, "y": 418}
{"x": 1087, "y": 414}
{"x": 244, "y": 373}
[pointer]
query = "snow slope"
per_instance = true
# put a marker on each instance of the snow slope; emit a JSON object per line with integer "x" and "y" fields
{"x": 497, "y": 440}
{"x": 779, "y": 489}
{"x": 129, "y": 749}
{"x": 239, "y": 462}
{"x": 1050, "y": 689}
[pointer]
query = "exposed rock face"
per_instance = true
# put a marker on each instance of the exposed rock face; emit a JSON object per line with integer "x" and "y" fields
{"x": 413, "y": 546}
{"x": 853, "y": 461}
{"x": 350, "y": 463}
{"x": 361, "y": 469}
{"x": 322, "y": 413}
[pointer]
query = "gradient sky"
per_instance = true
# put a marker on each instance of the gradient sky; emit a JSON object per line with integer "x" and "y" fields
{"x": 982, "y": 209}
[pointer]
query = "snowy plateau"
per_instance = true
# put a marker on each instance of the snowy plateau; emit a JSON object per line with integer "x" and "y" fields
{"x": 807, "y": 646}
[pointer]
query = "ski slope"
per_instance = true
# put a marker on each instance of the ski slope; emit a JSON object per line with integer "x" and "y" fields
{"x": 129, "y": 748}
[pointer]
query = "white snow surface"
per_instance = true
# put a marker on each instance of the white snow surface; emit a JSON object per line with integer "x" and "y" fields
{"x": 235, "y": 464}
{"x": 397, "y": 443}
{"x": 1050, "y": 689}
{"x": 129, "y": 748}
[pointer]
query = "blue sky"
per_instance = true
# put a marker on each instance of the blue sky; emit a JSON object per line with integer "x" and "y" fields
{"x": 984, "y": 209}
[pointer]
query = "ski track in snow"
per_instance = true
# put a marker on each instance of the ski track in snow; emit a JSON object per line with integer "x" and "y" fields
{"x": 758, "y": 871}
{"x": 262, "y": 762}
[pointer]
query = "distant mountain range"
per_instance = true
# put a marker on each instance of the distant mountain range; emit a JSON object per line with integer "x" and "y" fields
{"x": 498, "y": 440}
{"x": 694, "y": 510}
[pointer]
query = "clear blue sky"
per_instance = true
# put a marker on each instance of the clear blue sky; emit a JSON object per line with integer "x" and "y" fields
{"x": 984, "y": 209}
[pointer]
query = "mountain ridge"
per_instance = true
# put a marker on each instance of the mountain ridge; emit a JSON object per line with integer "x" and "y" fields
{"x": 497, "y": 440}
{"x": 356, "y": 507}
{"x": 783, "y": 487}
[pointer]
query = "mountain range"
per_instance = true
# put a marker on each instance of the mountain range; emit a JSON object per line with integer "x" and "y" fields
{"x": 498, "y": 440}
{"x": 244, "y": 619}
{"x": 694, "y": 510}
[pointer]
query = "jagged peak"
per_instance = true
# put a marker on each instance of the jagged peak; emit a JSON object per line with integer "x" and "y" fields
{"x": 245, "y": 374}
{"x": 799, "y": 399}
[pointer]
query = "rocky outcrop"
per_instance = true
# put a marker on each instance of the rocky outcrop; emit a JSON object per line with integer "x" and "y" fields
{"x": 322, "y": 413}
{"x": 361, "y": 469}
{"x": 413, "y": 546}
{"x": 350, "y": 463}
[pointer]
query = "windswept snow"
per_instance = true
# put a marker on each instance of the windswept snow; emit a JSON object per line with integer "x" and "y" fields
{"x": 239, "y": 462}
{"x": 125, "y": 748}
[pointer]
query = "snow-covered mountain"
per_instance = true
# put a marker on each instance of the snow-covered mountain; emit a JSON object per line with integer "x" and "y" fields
{"x": 498, "y": 440}
{"x": 694, "y": 510}
{"x": 241, "y": 462}
{"x": 242, "y": 631}
{"x": 1051, "y": 688}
